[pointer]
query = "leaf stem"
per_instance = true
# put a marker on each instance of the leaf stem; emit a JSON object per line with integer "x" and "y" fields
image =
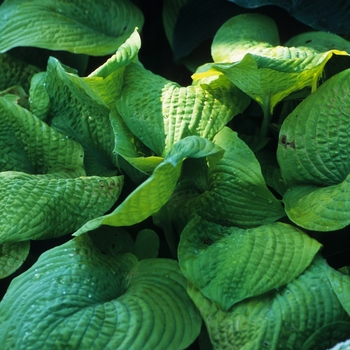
{"x": 266, "y": 120}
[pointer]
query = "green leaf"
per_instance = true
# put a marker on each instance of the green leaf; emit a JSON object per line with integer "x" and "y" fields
{"x": 27, "y": 144}
{"x": 76, "y": 297}
{"x": 105, "y": 83}
{"x": 247, "y": 262}
{"x": 51, "y": 205}
{"x": 256, "y": 64}
{"x": 148, "y": 198}
{"x": 235, "y": 192}
{"x": 319, "y": 208}
{"x": 39, "y": 99}
{"x": 314, "y": 139}
{"x": 12, "y": 256}
{"x": 160, "y": 112}
{"x": 76, "y": 115}
{"x": 89, "y": 27}
{"x": 284, "y": 318}
{"x": 15, "y": 72}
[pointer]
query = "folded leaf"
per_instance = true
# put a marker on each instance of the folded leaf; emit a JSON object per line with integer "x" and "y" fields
{"x": 27, "y": 144}
{"x": 148, "y": 198}
{"x": 77, "y": 297}
{"x": 235, "y": 192}
{"x": 89, "y": 27}
{"x": 160, "y": 112}
{"x": 284, "y": 318}
{"x": 12, "y": 256}
{"x": 78, "y": 116}
{"x": 229, "y": 264}
{"x": 39, "y": 99}
{"x": 47, "y": 206}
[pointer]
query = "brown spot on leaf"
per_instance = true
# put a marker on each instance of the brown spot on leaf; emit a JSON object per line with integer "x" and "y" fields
{"x": 285, "y": 143}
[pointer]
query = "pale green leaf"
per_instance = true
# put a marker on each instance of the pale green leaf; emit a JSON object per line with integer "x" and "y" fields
{"x": 245, "y": 50}
{"x": 105, "y": 83}
{"x": 160, "y": 112}
{"x": 77, "y": 297}
{"x": 284, "y": 318}
{"x": 12, "y": 256}
{"x": 81, "y": 118}
{"x": 319, "y": 208}
{"x": 51, "y": 205}
{"x": 229, "y": 264}
{"x": 149, "y": 197}
{"x": 89, "y": 27}
{"x": 27, "y": 144}
{"x": 235, "y": 192}
{"x": 314, "y": 139}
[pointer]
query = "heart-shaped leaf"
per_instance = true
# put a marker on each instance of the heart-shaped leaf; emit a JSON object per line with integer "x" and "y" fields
{"x": 89, "y": 27}
{"x": 77, "y": 297}
{"x": 284, "y": 318}
{"x": 229, "y": 264}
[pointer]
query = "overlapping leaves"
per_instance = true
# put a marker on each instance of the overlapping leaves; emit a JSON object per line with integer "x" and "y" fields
{"x": 80, "y": 297}
{"x": 232, "y": 192}
{"x": 286, "y": 317}
{"x": 246, "y": 49}
{"x": 229, "y": 264}
{"x": 313, "y": 152}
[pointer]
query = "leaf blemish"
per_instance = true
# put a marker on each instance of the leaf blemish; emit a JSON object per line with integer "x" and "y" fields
{"x": 285, "y": 143}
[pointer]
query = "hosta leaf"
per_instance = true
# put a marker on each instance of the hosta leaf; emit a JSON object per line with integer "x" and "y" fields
{"x": 89, "y": 27}
{"x": 146, "y": 244}
{"x": 105, "y": 83}
{"x": 235, "y": 193}
{"x": 152, "y": 194}
{"x": 283, "y": 318}
{"x": 160, "y": 112}
{"x": 314, "y": 139}
{"x": 319, "y": 208}
{"x": 229, "y": 264}
{"x": 15, "y": 72}
{"x": 76, "y": 297}
{"x": 12, "y": 256}
{"x": 78, "y": 116}
{"x": 39, "y": 99}
{"x": 252, "y": 61}
{"x": 29, "y": 145}
{"x": 47, "y": 206}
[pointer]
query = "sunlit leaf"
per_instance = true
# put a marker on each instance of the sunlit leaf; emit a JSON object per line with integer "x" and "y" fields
{"x": 149, "y": 197}
{"x": 89, "y": 27}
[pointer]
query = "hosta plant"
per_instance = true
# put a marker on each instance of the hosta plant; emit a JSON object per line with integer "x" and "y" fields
{"x": 186, "y": 214}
